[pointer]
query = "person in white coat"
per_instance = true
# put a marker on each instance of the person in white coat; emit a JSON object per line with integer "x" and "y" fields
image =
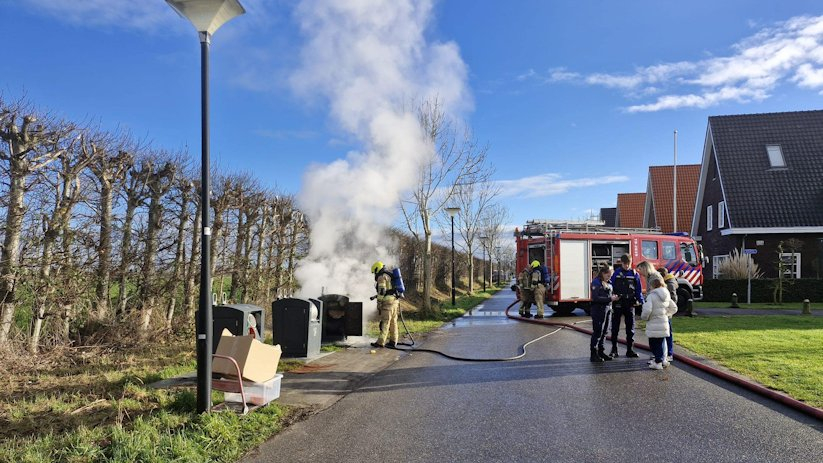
{"x": 657, "y": 309}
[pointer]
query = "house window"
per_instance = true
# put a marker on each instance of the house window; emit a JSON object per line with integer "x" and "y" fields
{"x": 775, "y": 156}
{"x": 790, "y": 262}
{"x": 650, "y": 249}
{"x": 709, "y": 217}
{"x": 669, "y": 250}
{"x": 721, "y": 214}
{"x": 716, "y": 261}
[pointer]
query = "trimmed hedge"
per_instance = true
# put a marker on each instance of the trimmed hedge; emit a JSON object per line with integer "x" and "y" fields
{"x": 762, "y": 290}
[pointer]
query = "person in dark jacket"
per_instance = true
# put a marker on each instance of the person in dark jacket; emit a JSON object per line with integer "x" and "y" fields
{"x": 601, "y": 309}
{"x": 626, "y": 284}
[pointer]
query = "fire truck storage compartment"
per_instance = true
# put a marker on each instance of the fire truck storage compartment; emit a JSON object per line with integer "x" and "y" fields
{"x": 607, "y": 253}
{"x": 574, "y": 273}
{"x": 537, "y": 252}
{"x": 341, "y": 317}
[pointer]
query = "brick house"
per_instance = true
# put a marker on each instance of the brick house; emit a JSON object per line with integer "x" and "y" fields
{"x": 761, "y": 183}
{"x": 659, "y": 208}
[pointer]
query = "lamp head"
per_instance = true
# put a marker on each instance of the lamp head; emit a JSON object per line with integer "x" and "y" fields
{"x": 207, "y": 15}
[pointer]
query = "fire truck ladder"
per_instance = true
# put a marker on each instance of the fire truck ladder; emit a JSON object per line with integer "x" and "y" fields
{"x": 553, "y": 227}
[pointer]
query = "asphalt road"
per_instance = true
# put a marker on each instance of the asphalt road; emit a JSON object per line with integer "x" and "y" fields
{"x": 552, "y": 405}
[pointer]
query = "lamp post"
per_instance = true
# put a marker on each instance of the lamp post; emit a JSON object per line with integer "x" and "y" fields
{"x": 498, "y": 266}
{"x": 452, "y": 212}
{"x": 483, "y": 244}
{"x": 206, "y": 16}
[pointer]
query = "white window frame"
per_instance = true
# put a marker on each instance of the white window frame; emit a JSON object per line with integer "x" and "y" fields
{"x": 715, "y": 261}
{"x": 776, "y": 158}
{"x": 789, "y": 271}
{"x": 721, "y": 214}
{"x": 709, "y": 218}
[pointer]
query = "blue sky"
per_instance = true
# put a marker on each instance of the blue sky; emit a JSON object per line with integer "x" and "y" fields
{"x": 575, "y": 99}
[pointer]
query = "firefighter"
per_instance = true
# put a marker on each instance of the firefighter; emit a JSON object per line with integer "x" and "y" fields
{"x": 538, "y": 286}
{"x": 626, "y": 284}
{"x": 601, "y": 308}
{"x": 526, "y": 293}
{"x": 387, "y": 306}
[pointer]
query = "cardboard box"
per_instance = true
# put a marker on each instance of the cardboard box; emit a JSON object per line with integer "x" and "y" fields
{"x": 257, "y": 361}
{"x": 257, "y": 393}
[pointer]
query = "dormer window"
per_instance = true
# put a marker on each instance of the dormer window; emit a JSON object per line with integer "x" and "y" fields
{"x": 775, "y": 156}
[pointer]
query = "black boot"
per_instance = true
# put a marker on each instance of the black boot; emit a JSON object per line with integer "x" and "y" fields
{"x": 602, "y": 354}
{"x": 595, "y": 357}
{"x": 614, "y": 353}
{"x": 630, "y": 353}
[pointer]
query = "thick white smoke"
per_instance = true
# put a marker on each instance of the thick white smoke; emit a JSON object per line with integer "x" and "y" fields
{"x": 369, "y": 59}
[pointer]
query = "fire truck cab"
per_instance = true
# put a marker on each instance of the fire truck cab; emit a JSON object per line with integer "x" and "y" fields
{"x": 574, "y": 251}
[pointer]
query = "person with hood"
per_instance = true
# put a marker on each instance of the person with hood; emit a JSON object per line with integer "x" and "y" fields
{"x": 671, "y": 286}
{"x": 601, "y": 308}
{"x": 656, "y": 311}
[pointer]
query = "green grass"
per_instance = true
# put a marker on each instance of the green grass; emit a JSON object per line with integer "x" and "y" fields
{"x": 782, "y": 352}
{"x": 755, "y": 305}
{"x": 96, "y": 407}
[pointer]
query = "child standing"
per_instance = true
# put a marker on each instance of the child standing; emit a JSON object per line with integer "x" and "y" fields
{"x": 656, "y": 311}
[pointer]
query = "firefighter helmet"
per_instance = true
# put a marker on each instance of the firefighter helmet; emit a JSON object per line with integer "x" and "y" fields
{"x": 376, "y": 267}
{"x": 535, "y": 263}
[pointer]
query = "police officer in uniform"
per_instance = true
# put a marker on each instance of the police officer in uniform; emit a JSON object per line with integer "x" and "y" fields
{"x": 526, "y": 293}
{"x": 601, "y": 308}
{"x": 626, "y": 284}
{"x": 387, "y": 306}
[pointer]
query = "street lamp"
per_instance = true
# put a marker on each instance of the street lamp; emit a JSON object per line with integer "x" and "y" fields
{"x": 206, "y": 16}
{"x": 498, "y": 266}
{"x": 452, "y": 212}
{"x": 483, "y": 244}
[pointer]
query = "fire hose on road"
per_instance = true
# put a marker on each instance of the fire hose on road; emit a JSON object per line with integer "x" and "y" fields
{"x": 748, "y": 385}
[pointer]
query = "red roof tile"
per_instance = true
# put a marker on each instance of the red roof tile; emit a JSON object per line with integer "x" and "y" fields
{"x": 660, "y": 188}
{"x": 630, "y": 208}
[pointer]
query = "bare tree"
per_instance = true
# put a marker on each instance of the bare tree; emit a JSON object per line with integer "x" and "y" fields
{"x": 183, "y": 188}
{"x": 134, "y": 191}
{"x": 160, "y": 180}
{"x": 455, "y": 159}
{"x": 112, "y": 160}
{"x": 29, "y": 147}
{"x": 493, "y": 226}
{"x": 65, "y": 186}
{"x": 473, "y": 197}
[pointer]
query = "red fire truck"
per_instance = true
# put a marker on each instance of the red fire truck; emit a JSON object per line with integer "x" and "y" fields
{"x": 574, "y": 251}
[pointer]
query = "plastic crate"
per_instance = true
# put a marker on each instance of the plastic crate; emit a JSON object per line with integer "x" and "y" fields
{"x": 257, "y": 393}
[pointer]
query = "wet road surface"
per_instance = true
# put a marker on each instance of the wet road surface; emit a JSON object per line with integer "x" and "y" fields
{"x": 552, "y": 405}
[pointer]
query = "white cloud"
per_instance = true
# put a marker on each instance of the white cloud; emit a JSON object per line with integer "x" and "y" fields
{"x": 129, "y": 14}
{"x": 550, "y": 184}
{"x": 788, "y": 52}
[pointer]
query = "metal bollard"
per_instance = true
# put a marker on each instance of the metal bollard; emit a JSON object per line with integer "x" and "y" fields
{"x": 734, "y": 301}
{"x": 690, "y": 307}
{"x": 807, "y": 308}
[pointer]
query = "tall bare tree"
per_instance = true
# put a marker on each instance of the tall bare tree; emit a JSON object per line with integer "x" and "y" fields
{"x": 455, "y": 160}
{"x": 473, "y": 197}
{"x": 29, "y": 147}
{"x": 112, "y": 160}
{"x": 134, "y": 192}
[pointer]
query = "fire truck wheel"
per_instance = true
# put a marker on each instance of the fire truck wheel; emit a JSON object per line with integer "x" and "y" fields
{"x": 587, "y": 308}
{"x": 564, "y": 309}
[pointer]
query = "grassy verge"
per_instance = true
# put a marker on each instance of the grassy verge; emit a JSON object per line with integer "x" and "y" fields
{"x": 418, "y": 324}
{"x": 755, "y": 305}
{"x": 90, "y": 405}
{"x": 782, "y": 352}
